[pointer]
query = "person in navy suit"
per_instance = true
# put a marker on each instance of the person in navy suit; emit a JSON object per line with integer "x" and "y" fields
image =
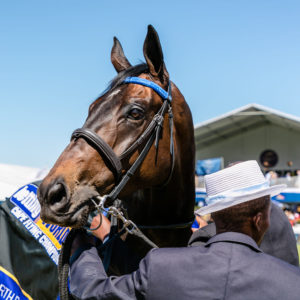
{"x": 229, "y": 266}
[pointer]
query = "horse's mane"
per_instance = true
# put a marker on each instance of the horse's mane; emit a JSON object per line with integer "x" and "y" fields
{"x": 130, "y": 72}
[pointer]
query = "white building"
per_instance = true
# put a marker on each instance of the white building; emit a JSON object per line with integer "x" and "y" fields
{"x": 252, "y": 132}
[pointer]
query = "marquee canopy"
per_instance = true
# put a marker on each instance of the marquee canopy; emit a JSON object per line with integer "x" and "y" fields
{"x": 12, "y": 177}
{"x": 240, "y": 120}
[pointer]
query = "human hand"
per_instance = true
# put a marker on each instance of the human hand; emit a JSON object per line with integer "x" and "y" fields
{"x": 82, "y": 239}
{"x": 103, "y": 230}
{"x": 201, "y": 222}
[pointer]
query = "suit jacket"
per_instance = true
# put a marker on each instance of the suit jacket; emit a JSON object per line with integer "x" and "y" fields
{"x": 279, "y": 240}
{"x": 229, "y": 266}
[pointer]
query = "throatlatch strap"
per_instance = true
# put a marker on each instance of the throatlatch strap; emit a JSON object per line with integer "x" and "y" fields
{"x": 101, "y": 146}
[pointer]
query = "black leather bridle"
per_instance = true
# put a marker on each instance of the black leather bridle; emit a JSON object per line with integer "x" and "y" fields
{"x": 151, "y": 134}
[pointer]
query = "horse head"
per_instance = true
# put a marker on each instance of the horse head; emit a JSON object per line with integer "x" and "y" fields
{"x": 121, "y": 116}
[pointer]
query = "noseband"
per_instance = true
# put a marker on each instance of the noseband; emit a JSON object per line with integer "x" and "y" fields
{"x": 152, "y": 132}
{"x": 114, "y": 163}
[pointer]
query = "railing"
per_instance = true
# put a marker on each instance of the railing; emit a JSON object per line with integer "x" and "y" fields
{"x": 291, "y": 182}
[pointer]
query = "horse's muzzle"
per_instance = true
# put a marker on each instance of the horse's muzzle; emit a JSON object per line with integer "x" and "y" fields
{"x": 54, "y": 195}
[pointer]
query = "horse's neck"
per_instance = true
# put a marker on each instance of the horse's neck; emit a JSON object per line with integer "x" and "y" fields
{"x": 170, "y": 205}
{"x": 173, "y": 204}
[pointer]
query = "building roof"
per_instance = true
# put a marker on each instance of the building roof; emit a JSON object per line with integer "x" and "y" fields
{"x": 240, "y": 120}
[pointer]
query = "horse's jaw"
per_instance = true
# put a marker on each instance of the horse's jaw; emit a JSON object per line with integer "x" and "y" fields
{"x": 74, "y": 219}
{"x": 73, "y": 212}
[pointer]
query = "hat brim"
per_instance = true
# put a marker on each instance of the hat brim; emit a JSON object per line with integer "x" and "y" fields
{"x": 232, "y": 201}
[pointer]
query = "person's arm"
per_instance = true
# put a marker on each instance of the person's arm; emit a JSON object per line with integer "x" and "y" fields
{"x": 123, "y": 259}
{"x": 88, "y": 279}
{"x": 200, "y": 222}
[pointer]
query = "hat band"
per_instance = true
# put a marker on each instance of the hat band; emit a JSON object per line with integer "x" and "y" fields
{"x": 236, "y": 193}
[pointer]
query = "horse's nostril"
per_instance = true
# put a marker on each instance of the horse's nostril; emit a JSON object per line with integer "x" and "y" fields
{"x": 57, "y": 193}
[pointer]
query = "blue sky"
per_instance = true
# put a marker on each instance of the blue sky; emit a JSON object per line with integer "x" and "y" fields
{"x": 55, "y": 60}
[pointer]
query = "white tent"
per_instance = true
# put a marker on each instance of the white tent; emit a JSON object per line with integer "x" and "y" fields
{"x": 249, "y": 131}
{"x": 12, "y": 177}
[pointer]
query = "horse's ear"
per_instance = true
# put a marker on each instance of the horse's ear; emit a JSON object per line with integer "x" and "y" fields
{"x": 118, "y": 58}
{"x": 154, "y": 55}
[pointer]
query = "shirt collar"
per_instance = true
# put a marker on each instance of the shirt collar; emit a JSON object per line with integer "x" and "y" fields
{"x": 234, "y": 237}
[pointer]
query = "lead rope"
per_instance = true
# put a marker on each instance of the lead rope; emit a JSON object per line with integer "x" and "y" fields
{"x": 64, "y": 266}
{"x": 117, "y": 214}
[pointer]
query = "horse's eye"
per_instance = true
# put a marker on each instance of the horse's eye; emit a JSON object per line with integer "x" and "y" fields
{"x": 136, "y": 114}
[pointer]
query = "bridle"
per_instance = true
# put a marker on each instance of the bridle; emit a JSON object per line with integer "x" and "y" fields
{"x": 152, "y": 133}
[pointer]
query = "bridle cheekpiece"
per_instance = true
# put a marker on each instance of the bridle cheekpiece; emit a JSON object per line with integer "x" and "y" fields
{"x": 151, "y": 134}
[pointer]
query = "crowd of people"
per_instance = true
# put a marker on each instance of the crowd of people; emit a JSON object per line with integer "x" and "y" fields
{"x": 291, "y": 178}
{"x": 293, "y": 216}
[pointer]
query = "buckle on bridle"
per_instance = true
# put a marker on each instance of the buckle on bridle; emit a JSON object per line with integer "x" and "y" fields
{"x": 158, "y": 119}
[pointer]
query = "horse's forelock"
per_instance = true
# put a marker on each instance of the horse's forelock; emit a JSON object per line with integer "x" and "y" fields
{"x": 119, "y": 79}
{"x": 130, "y": 72}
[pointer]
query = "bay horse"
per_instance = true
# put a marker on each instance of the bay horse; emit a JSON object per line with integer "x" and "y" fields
{"x": 161, "y": 191}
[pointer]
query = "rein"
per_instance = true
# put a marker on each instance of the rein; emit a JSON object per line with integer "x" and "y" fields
{"x": 152, "y": 133}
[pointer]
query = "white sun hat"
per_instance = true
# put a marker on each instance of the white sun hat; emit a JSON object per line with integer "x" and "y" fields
{"x": 234, "y": 185}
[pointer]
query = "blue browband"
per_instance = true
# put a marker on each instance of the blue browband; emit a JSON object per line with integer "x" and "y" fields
{"x": 160, "y": 91}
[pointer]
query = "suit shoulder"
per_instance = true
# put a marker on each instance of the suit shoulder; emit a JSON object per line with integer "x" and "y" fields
{"x": 167, "y": 256}
{"x": 279, "y": 264}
